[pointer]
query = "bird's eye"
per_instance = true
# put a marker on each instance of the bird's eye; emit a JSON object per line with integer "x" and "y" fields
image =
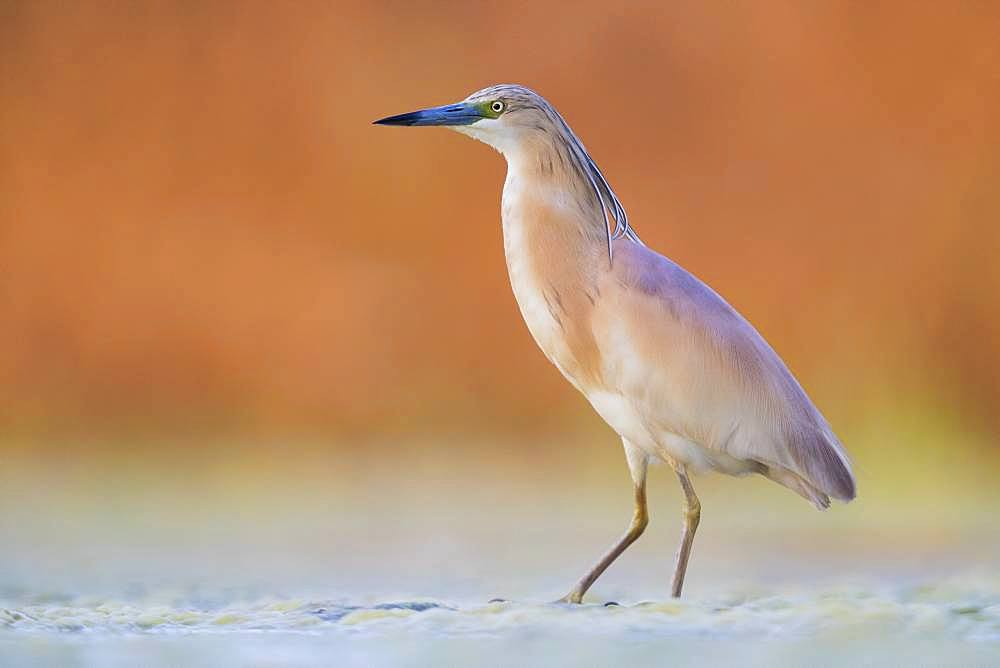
{"x": 496, "y": 107}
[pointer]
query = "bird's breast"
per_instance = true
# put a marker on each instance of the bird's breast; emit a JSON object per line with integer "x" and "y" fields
{"x": 537, "y": 311}
{"x": 550, "y": 281}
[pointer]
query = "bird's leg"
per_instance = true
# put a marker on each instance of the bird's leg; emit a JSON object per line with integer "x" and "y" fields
{"x": 640, "y": 518}
{"x": 692, "y": 515}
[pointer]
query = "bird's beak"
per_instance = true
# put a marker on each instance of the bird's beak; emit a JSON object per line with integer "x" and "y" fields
{"x": 462, "y": 113}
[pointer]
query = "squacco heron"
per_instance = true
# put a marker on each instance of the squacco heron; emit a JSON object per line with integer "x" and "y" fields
{"x": 663, "y": 359}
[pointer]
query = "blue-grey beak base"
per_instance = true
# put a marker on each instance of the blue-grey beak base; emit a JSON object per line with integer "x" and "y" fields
{"x": 450, "y": 114}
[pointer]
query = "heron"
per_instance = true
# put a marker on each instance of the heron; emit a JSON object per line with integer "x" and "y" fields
{"x": 668, "y": 364}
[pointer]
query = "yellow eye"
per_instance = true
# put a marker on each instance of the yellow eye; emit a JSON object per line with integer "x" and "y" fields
{"x": 496, "y": 107}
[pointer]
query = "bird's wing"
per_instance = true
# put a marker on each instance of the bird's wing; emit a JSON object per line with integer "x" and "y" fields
{"x": 695, "y": 368}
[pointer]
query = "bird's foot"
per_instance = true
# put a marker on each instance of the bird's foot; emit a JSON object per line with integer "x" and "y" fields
{"x": 574, "y": 597}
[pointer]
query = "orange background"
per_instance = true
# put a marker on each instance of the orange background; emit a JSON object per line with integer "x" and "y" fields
{"x": 201, "y": 231}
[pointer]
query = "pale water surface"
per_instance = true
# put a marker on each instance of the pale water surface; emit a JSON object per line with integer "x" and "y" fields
{"x": 947, "y": 623}
{"x": 241, "y": 564}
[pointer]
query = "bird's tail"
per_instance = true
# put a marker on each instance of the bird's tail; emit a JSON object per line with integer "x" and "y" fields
{"x": 821, "y": 468}
{"x": 829, "y": 469}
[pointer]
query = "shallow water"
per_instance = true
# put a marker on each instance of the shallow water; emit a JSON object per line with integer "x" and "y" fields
{"x": 111, "y": 565}
{"x": 951, "y": 623}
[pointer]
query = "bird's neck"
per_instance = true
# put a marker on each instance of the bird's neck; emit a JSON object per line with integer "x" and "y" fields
{"x": 554, "y": 229}
{"x": 548, "y": 196}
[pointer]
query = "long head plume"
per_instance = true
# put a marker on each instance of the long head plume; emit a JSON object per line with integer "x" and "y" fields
{"x": 611, "y": 206}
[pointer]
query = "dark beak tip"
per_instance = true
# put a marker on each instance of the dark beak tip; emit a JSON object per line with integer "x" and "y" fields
{"x": 401, "y": 119}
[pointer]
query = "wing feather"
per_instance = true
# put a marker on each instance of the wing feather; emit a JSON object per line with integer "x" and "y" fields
{"x": 695, "y": 368}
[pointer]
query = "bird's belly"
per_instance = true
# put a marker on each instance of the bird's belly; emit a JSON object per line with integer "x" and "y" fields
{"x": 620, "y": 414}
{"x": 629, "y": 422}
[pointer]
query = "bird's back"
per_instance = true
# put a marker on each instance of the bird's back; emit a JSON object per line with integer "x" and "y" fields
{"x": 688, "y": 377}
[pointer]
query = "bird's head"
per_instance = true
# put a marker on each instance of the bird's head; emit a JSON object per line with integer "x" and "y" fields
{"x": 502, "y": 116}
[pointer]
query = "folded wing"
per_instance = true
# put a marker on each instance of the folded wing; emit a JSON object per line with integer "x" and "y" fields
{"x": 694, "y": 368}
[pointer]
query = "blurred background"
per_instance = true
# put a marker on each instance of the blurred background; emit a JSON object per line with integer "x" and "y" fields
{"x": 245, "y": 334}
